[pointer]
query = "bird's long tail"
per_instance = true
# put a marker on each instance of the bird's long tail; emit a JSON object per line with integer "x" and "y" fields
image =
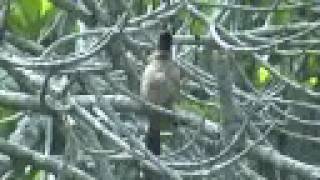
{"x": 153, "y": 142}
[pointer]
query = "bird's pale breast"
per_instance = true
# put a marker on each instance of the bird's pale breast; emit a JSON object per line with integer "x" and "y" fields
{"x": 160, "y": 82}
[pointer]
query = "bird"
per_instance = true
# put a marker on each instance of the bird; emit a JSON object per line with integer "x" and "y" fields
{"x": 160, "y": 81}
{"x": 160, "y": 84}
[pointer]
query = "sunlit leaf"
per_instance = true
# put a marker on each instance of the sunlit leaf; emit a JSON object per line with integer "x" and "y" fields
{"x": 34, "y": 175}
{"x": 313, "y": 81}
{"x": 46, "y": 6}
{"x": 263, "y": 75}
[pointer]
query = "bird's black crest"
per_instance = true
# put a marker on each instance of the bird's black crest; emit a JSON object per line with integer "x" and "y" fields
{"x": 165, "y": 40}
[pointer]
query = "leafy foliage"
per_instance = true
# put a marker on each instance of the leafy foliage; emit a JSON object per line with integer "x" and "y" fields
{"x": 313, "y": 81}
{"x": 262, "y": 76}
{"x": 6, "y": 126}
{"x": 282, "y": 17}
{"x": 33, "y": 175}
{"x": 27, "y": 17}
{"x": 313, "y": 72}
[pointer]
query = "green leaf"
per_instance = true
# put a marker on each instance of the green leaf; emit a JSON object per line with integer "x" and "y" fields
{"x": 263, "y": 75}
{"x": 6, "y": 127}
{"x": 283, "y": 17}
{"x": 313, "y": 81}
{"x": 197, "y": 27}
{"x": 46, "y": 6}
{"x": 33, "y": 175}
{"x": 27, "y": 17}
{"x": 30, "y": 9}
{"x": 312, "y": 61}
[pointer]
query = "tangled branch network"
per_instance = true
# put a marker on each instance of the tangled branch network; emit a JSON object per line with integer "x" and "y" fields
{"x": 108, "y": 58}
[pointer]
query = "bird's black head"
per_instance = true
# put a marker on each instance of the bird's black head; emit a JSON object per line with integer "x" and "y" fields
{"x": 165, "y": 41}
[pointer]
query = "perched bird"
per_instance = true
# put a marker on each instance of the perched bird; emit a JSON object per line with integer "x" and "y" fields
{"x": 160, "y": 84}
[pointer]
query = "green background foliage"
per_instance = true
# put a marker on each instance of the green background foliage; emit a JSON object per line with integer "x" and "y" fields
{"x": 27, "y": 17}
